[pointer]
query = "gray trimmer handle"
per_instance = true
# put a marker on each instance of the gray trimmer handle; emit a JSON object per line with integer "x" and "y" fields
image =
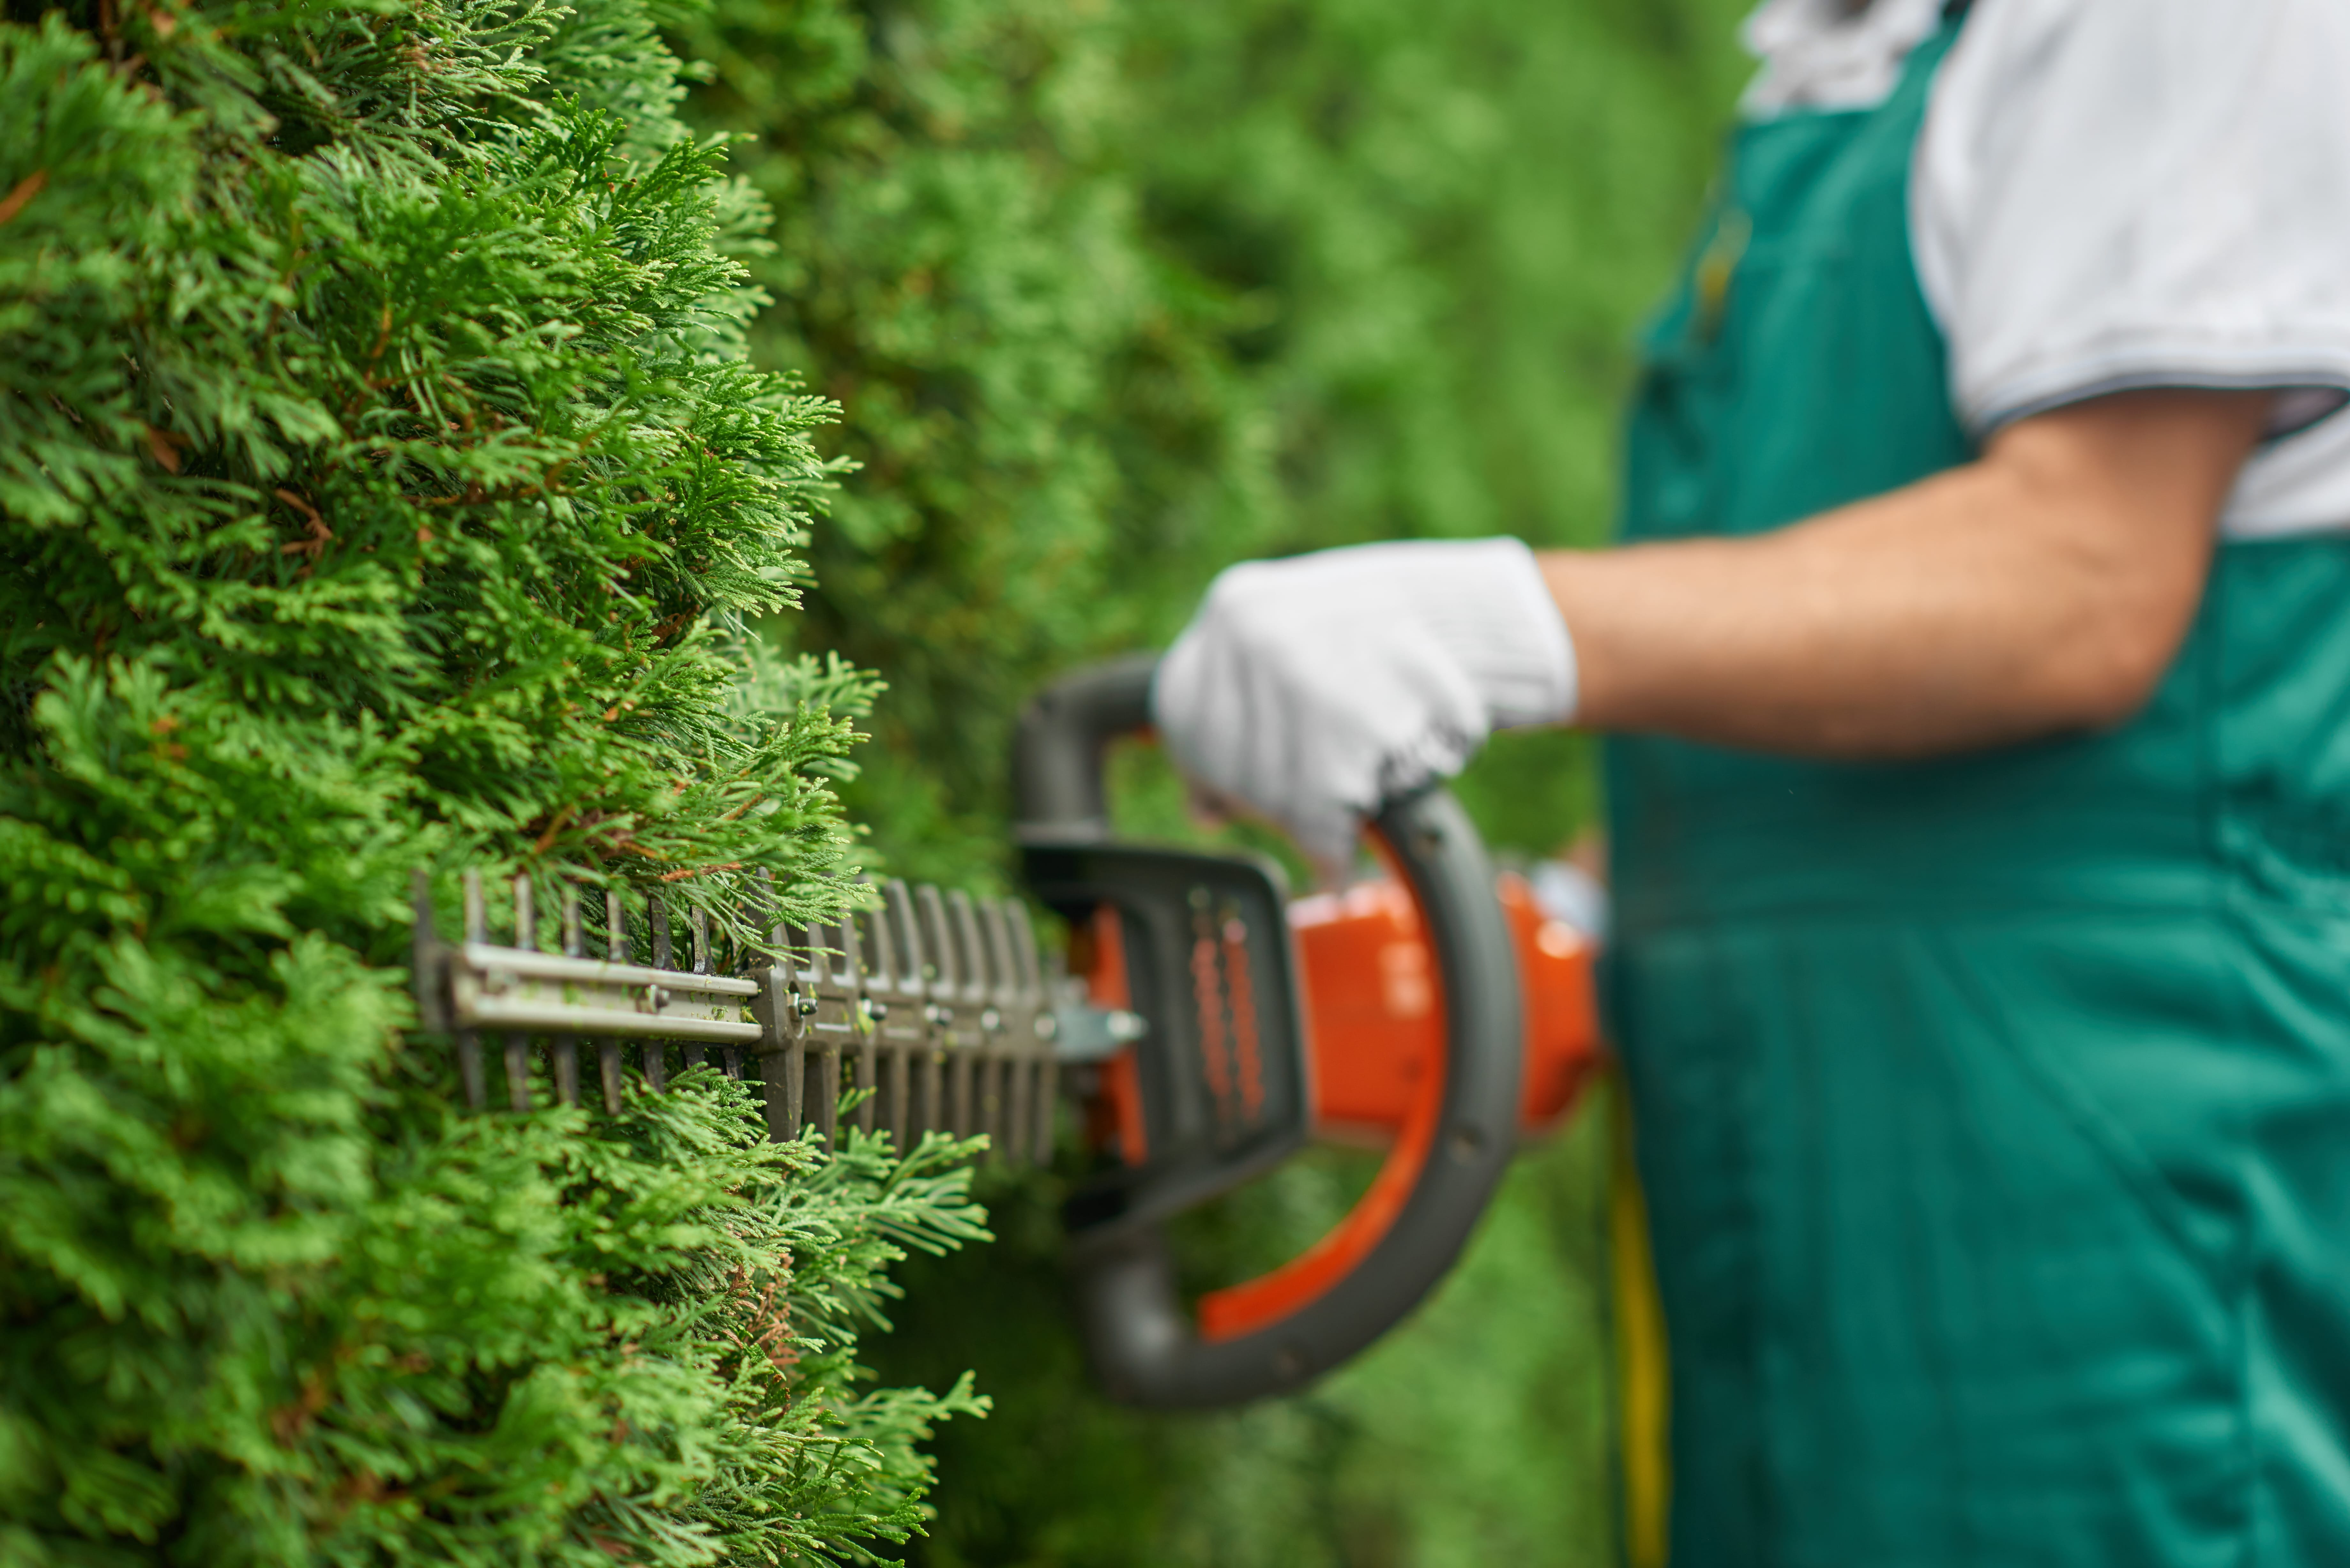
{"x": 1064, "y": 732}
{"x": 1275, "y": 1334}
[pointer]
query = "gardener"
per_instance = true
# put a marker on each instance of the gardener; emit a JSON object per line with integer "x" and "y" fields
{"x": 1978, "y": 660}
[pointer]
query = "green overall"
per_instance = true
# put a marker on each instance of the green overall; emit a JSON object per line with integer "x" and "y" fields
{"x": 1993, "y": 1113}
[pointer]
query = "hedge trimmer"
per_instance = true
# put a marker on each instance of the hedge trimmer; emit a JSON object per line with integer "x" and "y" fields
{"x": 1204, "y": 1026}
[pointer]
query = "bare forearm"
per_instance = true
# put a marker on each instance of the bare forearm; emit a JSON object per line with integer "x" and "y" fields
{"x": 2044, "y": 588}
{"x": 1921, "y": 622}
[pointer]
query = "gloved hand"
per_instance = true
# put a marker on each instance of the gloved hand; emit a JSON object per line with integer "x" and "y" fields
{"x": 1313, "y": 689}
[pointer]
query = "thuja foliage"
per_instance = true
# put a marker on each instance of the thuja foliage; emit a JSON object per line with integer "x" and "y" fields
{"x": 1054, "y": 447}
{"x": 382, "y": 488}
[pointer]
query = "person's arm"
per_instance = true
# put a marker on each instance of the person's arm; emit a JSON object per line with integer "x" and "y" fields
{"x": 2043, "y": 588}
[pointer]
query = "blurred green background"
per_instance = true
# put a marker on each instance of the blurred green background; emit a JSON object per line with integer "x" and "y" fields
{"x": 1113, "y": 293}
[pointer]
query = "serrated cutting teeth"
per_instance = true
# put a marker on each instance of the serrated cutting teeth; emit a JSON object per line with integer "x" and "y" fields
{"x": 926, "y": 1011}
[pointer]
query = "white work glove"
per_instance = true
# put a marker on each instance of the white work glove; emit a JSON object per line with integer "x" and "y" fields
{"x": 1313, "y": 690}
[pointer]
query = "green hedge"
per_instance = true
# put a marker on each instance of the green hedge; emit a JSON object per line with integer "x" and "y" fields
{"x": 1052, "y": 444}
{"x": 381, "y": 487}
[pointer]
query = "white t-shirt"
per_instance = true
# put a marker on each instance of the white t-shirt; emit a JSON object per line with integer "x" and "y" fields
{"x": 2119, "y": 193}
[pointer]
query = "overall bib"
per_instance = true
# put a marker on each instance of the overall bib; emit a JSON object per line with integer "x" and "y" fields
{"x": 1993, "y": 1113}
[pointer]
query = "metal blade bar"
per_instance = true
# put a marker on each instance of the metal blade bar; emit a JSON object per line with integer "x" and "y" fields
{"x": 533, "y": 1013}
{"x": 526, "y": 965}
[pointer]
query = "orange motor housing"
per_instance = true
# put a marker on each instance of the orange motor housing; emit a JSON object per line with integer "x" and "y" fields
{"x": 1374, "y": 1023}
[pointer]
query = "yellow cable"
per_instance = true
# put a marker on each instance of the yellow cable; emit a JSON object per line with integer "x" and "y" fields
{"x": 1644, "y": 1378}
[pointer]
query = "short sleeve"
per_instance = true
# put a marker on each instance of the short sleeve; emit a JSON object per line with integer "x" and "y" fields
{"x": 2113, "y": 195}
